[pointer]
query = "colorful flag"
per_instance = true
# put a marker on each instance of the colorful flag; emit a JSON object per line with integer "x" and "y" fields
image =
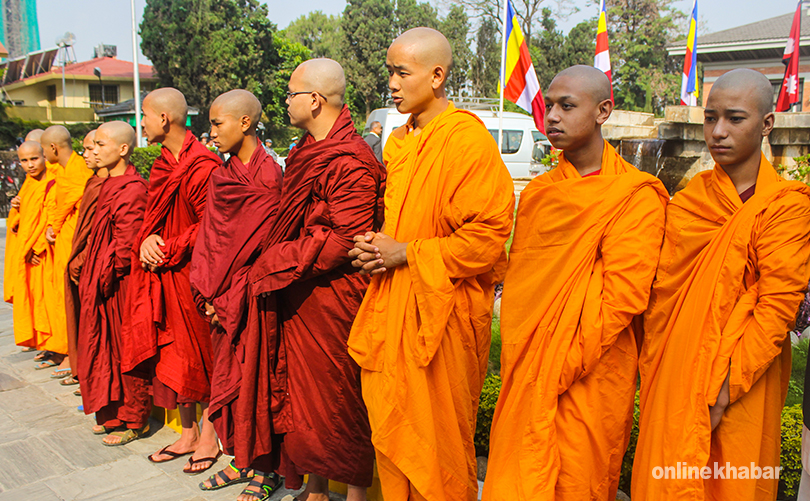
{"x": 520, "y": 84}
{"x": 689, "y": 88}
{"x": 789, "y": 93}
{"x": 602, "y": 59}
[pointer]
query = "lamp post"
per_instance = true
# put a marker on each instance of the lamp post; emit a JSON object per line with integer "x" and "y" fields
{"x": 97, "y": 72}
{"x": 136, "y": 75}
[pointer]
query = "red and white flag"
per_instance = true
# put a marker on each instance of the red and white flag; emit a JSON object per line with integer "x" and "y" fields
{"x": 789, "y": 93}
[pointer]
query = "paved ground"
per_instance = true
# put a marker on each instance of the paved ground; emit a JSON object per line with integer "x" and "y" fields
{"x": 47, "y": 451}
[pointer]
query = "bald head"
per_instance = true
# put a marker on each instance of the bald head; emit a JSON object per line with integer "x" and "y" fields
{"x": 749, "y": 82}
{"x": 324, "y": 76}
{"x": 170, "y": 101}
{"x": 587, "y": 79}
{"x": 29, "y": 147}
{"x": 118, "y": 132}
{"x": 90, "y": 136}
{"x": 239, "y": 103}
{"x": 58, "y": 135}
{"x": 427, "y": 46}
{"x": 35, "y": 135}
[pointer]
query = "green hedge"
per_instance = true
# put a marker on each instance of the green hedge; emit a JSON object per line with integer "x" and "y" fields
{"x": 486, "y": 410}
{"x": 143, "y": 158}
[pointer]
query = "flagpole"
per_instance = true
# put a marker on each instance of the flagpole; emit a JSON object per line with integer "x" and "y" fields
{"x": 501, "y": 83}
{"x": 136, "y": 76}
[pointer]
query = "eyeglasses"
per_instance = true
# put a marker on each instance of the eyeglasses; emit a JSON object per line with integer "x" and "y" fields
{"x": 291, "y": 95}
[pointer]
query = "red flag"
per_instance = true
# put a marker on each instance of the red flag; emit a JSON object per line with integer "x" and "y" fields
{"x": 789, "y": 93}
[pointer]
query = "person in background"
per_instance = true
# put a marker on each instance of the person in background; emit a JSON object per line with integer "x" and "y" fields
{"x": 374, "y": 139}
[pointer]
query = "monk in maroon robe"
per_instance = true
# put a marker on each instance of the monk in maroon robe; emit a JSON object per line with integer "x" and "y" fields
{"x": 78, "y": 254}
{"x": 119, "y": 401}
{"x": 243, "y": 197}
{"x": 306, "y": 293}
{"x": 166, "y": 336}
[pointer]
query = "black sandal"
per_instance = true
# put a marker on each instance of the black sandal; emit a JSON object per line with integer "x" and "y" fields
{"x": 245, "y": 475}
{"x": 262, "y": 490}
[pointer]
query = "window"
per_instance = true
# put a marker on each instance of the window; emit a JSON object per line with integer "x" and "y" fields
{"x": 52, "y": 93}
{"x": 777, "y": 86}
{"x": 511, "y": 140}
{"x": 110, "y": 95}
{"x": 538, "y": 136}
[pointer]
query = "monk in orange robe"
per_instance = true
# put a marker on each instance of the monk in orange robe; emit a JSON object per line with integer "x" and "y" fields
{"x": 78, "y": 254}
{"x": 582, "y": 261}
{"x": 71, "y": 176}
{"x": 716, "y": 358}
{"x": 24, "y": 279}
{"x": 422, "y": 334}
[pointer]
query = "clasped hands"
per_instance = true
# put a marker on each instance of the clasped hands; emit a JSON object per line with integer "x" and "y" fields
{"x": 151, "y": 253}
{"x": 375, "y": 253}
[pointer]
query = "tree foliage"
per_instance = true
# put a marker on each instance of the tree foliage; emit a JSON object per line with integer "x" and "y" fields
{"x": 486, "y": 66}
{"x": 318, "y": 32}
{"x": 455, "y": 27}
{"x": 413, "y": 14}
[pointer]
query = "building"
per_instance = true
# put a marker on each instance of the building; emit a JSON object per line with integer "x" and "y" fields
{"x": 125, "y": 112}
{"x": 758, "y": 46}
{"x": 33, "y": 86}
{"x": 19, "y": 27}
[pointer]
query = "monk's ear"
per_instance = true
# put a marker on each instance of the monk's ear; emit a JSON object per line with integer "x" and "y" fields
{"x": 245, "y": 123}
{"x": 439, "y": 77}
{"x": 605, "y": 108}
{"x": 767, "y": 124}
{"x": 164, "y": 120}
{"x": 123, "y": 150}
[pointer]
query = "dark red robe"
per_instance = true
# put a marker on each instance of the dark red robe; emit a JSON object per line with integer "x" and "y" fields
{"x": 242, "y": 201}
{"x": 78, "y": 256}
{"x": 116, "y": 398}
{"x": 306, "y": 295}
{"x": 165, "y": 329}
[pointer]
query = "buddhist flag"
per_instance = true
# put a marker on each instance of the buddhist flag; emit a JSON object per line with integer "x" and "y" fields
{"x": 789, "y": 93}
{"x": 689, "y": 88}
{"x": 602, "y": 59}
{"x": 520, "y": 84}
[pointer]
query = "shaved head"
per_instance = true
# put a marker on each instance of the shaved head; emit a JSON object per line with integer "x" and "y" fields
{"x": 35, "y": 135}
{"x": 90, "y": 135}
{"x": 324, "y": 76}
{"x": 29, "y": 147}
{"x": 239, "y": 103}
{"x": 58, "y": 135}
{"x": 587, "y": 79}
{"x": 118, "y": 132}
{"x": 427, "y": 46}
{"x": 170, "y": 101}
{"x": 750, "y": 82}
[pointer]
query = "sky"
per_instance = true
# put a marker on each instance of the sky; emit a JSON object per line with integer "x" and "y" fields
{"x": 109, "y": 21}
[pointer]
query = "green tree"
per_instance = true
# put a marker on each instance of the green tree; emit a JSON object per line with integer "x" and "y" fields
{"x": 455, "y": 27}
{"x": 413, "y": 14}
{"x": 318, "y": 32}
{"x": 291, "y": 54}
{"x": 486, "y": 65}
{"x": 206, "y": 47}
{"x": 368, "y": 28}
{"x": 552, "y": 51}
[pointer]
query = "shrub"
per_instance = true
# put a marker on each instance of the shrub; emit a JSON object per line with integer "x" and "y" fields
{"x": 791, "y": 452}
{"x": 495, "y": 347}
{"x": 630, "y": 453}
{"x": 143, "y": 158}
{"x": 486, "y": 410}
{"x": 799, "y": 362}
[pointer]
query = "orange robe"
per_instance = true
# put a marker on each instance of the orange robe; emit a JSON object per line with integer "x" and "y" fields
{"x": 9, "y": 270}
{"x": 31, "y": 323}
{"x": 62, "y": 214}
{"x": 580, "y": 269}
{"x": 729, "y": 282}
{"x": 422, "y": 334}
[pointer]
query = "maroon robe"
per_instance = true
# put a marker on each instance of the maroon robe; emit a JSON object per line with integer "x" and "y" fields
{"x": 242, "y": 200}
{"x": 78, "y": 256}
{"x": 306, "y": 294}
{"x": 116, "y": 398}
{"x": 165, "y": 330}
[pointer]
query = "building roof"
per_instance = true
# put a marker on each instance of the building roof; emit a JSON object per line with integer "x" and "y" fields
{"x": 42, "y": 63}
{"x": 764, "y": 39}
{"x": 3, "y": 51}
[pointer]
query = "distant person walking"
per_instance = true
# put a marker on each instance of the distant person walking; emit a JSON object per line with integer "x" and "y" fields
{"x": 374, "y": 139}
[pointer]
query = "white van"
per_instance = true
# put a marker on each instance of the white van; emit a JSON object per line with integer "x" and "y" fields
{"x": 523, "y": 145}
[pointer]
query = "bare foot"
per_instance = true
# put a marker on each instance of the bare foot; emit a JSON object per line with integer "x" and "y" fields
{"x": 202, "y": 452}
{"x": 253, "y": 492}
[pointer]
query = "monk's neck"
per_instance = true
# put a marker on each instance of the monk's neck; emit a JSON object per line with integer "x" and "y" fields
{"x": 174, "y": 142}
{"x": 249, "y": 145}
{"x": 320, "y": 128}
{"x": 64, "y": 157}
{"x": 436, "y": 108}
{"x": 744, "y": 174}
{"x": 588, "y": 158}
{"x": 103, "y": 172}
{"x": 119, "y": 169}
{"x": 40, "y": 176}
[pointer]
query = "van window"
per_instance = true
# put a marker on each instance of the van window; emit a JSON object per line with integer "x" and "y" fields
{"x": 538, "y": 136}
{"x": 511, "y": 140}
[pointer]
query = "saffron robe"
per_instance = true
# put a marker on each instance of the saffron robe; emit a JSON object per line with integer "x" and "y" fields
{"x": 116, "y": 398}
{"x": 163, "y": 324}
{"x": 78, "y": 256}
{"x": 242, "y": 202}
{"x": 729, "y": 282}
{"x": 332, "y": 191}
{"x": 581, "y": 265}
{"x": 26, "y": 283}
{"x": 422, "y": 334}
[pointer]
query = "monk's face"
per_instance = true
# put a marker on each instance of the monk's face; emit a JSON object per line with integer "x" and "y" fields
{"x": 33, "y": 161}
{"x": 107, "y": 151}
{"x": 153, "y": 124}
{"x": 227, "y": 131}
{"x": 88, "y": 144}
{"x": 413, "y": 84}
{"x": 573, "y": 115}
{"x": 733, "y": 125}
{"x": 300, "y": 107}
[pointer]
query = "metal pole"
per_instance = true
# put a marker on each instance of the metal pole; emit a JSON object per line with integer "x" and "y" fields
{"x": 501, "y": 82}
{"x": 136, "y": 76}
{"x": 64, "y": 57}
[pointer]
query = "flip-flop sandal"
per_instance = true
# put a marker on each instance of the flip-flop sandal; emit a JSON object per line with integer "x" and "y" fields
{"x": 191, "y": 462}
{"x": 60, "y": 373}
{"x": 46, "y": 364}
{"x": 69, "y": 381}
{"x": 260, "y": 490}
{"x": 166, "y": 452}
{"x": 42, "y": 356}
{"x": 28, "y": 349}
{"x": 102, "y": 431}
{"x": 128, "y": 435}
{"x": 78, "y": 392}
{"x": 245, "y": 474}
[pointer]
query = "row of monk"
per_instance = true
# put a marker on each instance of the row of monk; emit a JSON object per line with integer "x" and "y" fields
{"x": 340, "y": 313}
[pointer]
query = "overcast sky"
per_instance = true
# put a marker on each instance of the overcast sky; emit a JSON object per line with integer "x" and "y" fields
{"x": 109, "y": 21}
